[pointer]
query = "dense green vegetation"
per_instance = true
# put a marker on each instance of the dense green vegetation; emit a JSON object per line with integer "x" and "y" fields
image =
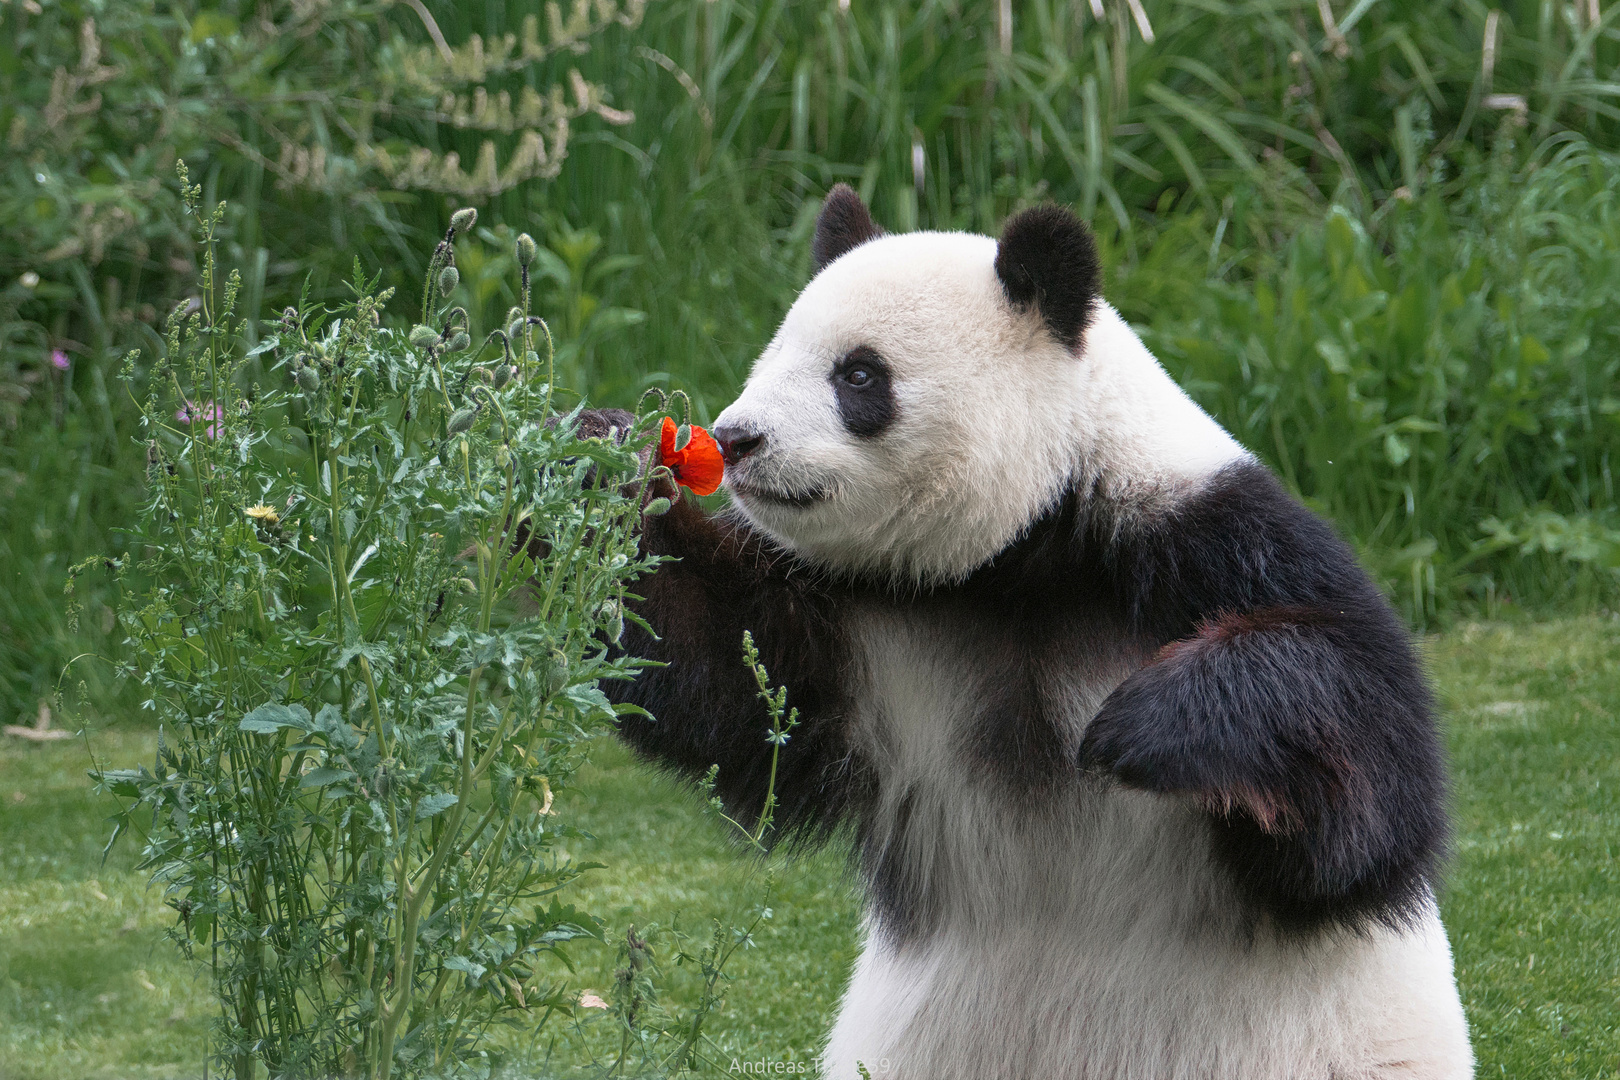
{"x": 89, "y": 989}
{"x": 1380, "y": 241}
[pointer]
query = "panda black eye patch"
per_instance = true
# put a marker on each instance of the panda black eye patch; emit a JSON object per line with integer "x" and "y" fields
{"x": 865, "y": 392}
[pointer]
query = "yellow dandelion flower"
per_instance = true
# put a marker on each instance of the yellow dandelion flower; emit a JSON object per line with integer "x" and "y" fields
{"x": 262, "y": 515}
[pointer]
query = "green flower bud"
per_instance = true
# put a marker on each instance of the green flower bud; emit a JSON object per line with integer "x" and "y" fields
{"x": 657, "y": 507}
{"x": 319, "y": 349}
{"x": 557, "y": 673}
{"x": 461, "y": 420}
{"x": 449, "y": 278}
{"x": 514, "y": 329}
{"x": 463, "y": 219}
{"x": 526, "y": 249}
{"x": 482, "y": 373}
{"x": 309, "y": 379}
{"x": 461, "y": 342}
{"x": 423, "y": 336}
{"x": 503, "y": 375}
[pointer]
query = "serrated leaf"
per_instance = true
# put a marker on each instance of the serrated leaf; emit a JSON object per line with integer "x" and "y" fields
{"x": 324, "y": 775}
{"x": 372, "y": 651}
{"x": 123, "y": 782}
{"x": 269, "y": 719}
{"x": 587, "y": 699}
{"x": 462, "y": 963}
{"x": 435, "y": 804}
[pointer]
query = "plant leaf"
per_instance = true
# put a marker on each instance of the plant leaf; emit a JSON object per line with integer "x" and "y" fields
{"x": 435, "y": 804}
{"x": 324, "y": 775}
{"x": 269, "y": 719}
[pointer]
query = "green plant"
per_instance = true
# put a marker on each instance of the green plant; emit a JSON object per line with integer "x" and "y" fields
{"x": 1449, "y": 401}
{"x": 656, "y": 1041}
{"x": 369, "y": 598}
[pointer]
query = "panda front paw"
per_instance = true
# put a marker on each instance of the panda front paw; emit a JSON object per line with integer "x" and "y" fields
{"x": 1229, "y": 724}
{"x": 1151, "y": 735}
{"x": 1316, "y": 767}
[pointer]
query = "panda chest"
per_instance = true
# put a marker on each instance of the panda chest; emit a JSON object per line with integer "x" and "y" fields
{"x": 980, "y": 817}
{"x": 957, "y": 696}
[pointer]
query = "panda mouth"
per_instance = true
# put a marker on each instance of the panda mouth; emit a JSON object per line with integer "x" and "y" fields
{"x": 776, "y": 496}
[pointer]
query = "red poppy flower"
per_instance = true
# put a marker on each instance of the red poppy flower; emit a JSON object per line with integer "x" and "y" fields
{"x": 699, "y": 465}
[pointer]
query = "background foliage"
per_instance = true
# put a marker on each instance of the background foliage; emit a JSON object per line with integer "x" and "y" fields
{"x": 1377, "y": 240}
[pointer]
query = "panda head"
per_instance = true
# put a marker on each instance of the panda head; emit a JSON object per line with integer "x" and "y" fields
{"x": 926, "y": 398}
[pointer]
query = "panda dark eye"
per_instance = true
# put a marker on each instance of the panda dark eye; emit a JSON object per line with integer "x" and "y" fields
{"x": 860, "y": 369}
{"x": 862, "y": 384}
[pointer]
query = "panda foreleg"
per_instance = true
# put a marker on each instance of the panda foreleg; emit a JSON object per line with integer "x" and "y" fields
{"x": 722, "y": 580}
{"x": 1304, "y": 733}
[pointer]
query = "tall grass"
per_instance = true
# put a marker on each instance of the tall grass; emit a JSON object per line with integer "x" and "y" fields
{"x": 1443, "y": 387}
{"x": 1345, "y": 159}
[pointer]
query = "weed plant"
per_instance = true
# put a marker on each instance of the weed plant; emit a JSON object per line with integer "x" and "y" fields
{"x": 368, "y": 597}
{"x": 655, "y": 1041}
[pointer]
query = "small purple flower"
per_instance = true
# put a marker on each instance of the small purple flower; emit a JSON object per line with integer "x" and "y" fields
{"x": 206, "y": 411}
{"x": 59, "y": 360}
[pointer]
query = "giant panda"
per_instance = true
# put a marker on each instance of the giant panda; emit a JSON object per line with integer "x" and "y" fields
{"x": 1141, "y": 770}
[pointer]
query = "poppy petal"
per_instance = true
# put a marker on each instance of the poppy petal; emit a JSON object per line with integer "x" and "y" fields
{"x": 703, "y": 466}
{"x": 666, "y": 444}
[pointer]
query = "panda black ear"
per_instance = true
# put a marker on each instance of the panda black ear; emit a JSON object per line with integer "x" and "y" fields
{"x": 1047, "y": 260}
{"x": 843, "y": 225}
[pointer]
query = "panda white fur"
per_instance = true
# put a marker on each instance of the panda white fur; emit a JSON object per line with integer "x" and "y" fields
{"x": 1141, "y": 768}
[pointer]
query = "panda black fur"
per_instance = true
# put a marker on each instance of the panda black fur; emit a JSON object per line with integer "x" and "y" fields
{"x": 1142, "y": 769}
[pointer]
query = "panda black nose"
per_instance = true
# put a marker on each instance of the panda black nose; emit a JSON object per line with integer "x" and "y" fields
{"x": 737, "y": 442}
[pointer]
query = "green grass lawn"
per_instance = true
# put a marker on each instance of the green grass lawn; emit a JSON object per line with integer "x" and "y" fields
{"x": 89, "y": 988}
